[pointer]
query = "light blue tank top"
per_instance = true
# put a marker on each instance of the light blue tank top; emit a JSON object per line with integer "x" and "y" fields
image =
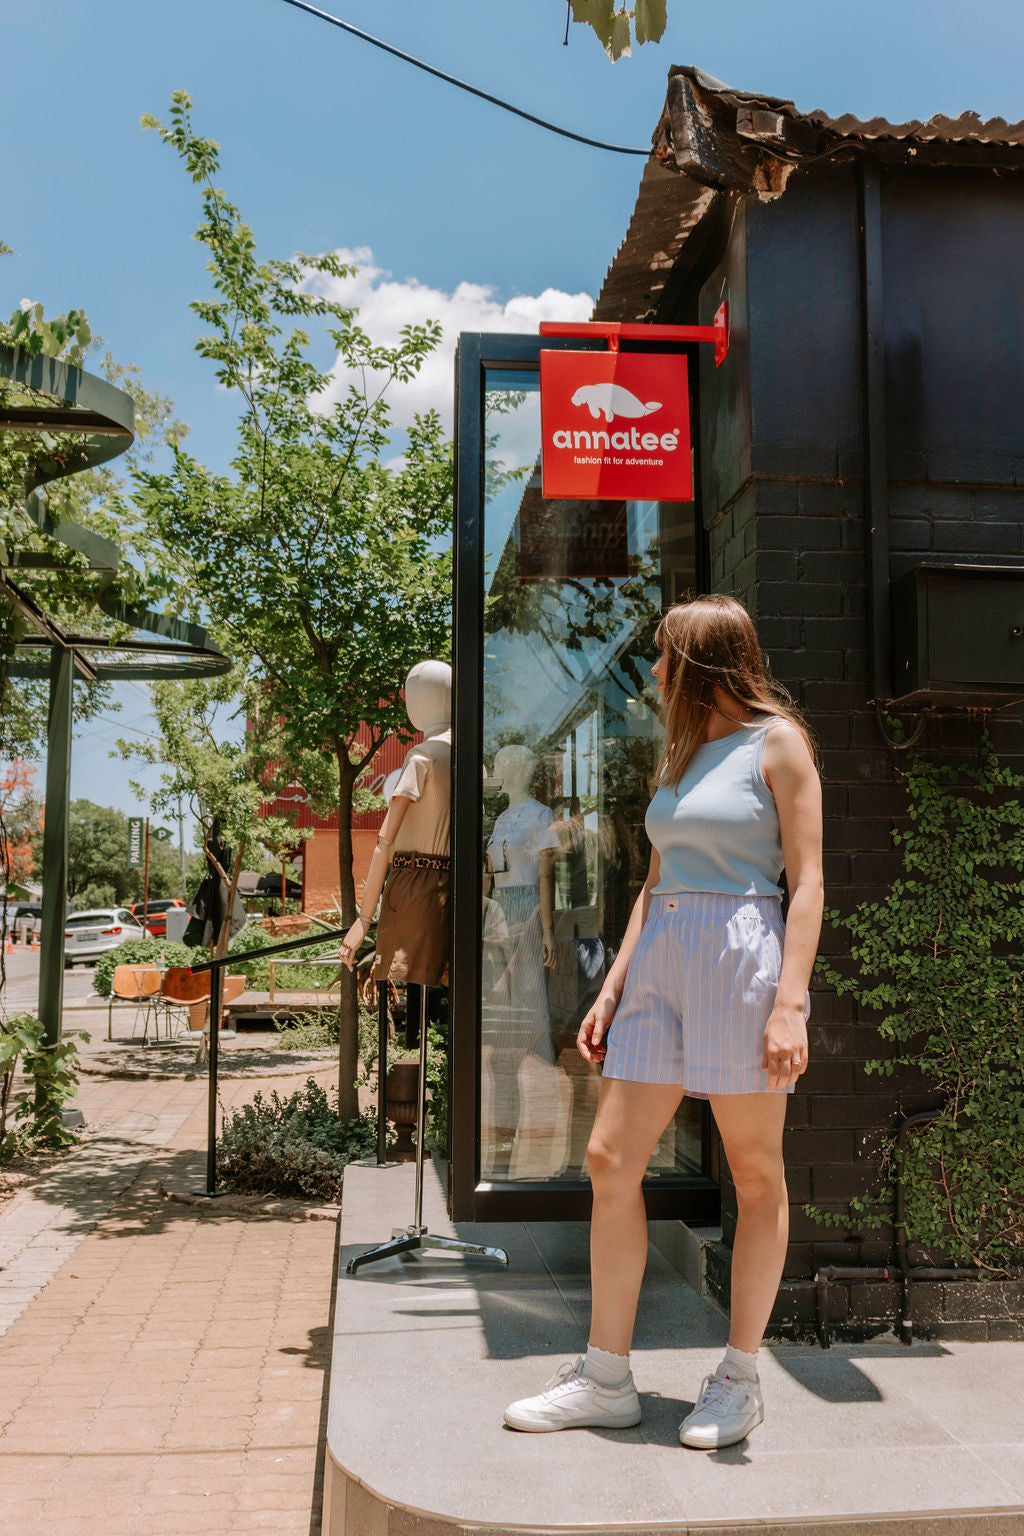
{"x": 718, "y": 829}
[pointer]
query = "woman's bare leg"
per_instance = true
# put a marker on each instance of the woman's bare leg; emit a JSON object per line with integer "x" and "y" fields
{"x": 631, "y": 1118}
{"x": 751, "y": 1126}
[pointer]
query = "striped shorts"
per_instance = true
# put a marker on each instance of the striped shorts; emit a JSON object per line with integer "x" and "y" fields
{"x": 700, "y": 987}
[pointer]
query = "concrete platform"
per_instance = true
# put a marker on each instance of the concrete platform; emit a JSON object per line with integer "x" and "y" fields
{"x": 860, "y": 1440}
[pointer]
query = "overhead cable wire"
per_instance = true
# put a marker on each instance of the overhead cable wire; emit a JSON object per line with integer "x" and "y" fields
{"x": 495, "y": 101}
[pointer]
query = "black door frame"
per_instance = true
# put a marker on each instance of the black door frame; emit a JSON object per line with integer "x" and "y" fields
{"x": 694, "y": 1198}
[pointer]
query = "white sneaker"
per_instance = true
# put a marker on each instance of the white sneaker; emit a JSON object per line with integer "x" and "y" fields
{"x": 727, "y": 1409}
{"x": 572, "y": 1401}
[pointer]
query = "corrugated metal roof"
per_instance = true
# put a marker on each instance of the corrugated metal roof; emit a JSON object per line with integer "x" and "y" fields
{"x": 712, "y": 141}
{"x": 968, "y": 127}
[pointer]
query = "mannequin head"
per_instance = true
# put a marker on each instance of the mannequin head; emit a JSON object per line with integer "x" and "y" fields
{"x": 515, "y": 766}
{"x": 428, "y": 695}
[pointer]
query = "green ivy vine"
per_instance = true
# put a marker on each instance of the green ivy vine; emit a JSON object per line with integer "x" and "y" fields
{"x": 941, "y": 963}
{"x": 51, "y": 1077}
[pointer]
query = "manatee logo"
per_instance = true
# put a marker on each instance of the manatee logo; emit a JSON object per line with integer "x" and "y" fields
{"x": 612, "y": 400}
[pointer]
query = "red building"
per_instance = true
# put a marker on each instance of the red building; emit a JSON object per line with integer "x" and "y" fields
{"x": 319, "y": 852}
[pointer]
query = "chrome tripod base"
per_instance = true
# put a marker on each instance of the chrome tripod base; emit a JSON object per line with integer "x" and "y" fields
{"x": 408, "y": 1239}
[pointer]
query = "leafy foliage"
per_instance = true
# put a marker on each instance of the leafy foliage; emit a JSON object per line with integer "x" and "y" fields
{"x": 253, "y": 938}
{"x": 437, "y": 1082}
{"x": 611, "y": 22}
{"x": 297, "y": 1146}
{"x": 86, "y": 497}
{"x": 325, "y": 566}
{"x": 941, "y": 961}
{"x": 98, "y": 870}
{"x": 225, "y": 779}
{"x": 319, "y": 1030}
{"x": 51, "y": 1071}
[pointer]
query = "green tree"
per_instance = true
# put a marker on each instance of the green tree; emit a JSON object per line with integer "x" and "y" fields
{"x": 313, "y": 555}
{"x": 89, "y": 498}
{"x": 223, "y": 754}
{"x": 99, "y": 874}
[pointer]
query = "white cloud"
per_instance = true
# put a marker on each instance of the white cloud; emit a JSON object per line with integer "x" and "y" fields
{"x": 385, "y": 305}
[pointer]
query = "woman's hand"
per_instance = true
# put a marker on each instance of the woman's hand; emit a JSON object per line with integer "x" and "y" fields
{"x": 785, "y": 1045}
{"x": 549, "y": 947}
{"x": 590, "y": 1040}
{"x": 351, "y": 942}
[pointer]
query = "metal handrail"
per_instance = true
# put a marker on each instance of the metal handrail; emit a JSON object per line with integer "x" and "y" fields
{"x": 218, "y": 965}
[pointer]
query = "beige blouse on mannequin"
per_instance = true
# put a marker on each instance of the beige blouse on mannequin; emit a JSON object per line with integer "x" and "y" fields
{"x": 409, "y": 867}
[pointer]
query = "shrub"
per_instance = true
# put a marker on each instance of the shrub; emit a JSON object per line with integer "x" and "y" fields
{"x": 139, "y": 952}
{"x": 941, "y": 963}
{"x": 438, "y": 1083}
{"x": 52, "y": 1073}
{"x": 316, "y": 1030}
{"x": 256, "y": 971}
{"x": 295, "y": 1146}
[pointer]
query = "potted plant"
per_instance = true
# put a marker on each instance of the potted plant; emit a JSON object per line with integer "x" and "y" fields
{"x": 400, "y": 1095}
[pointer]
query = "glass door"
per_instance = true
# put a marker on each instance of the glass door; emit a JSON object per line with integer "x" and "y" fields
{"x": 556, "y": 740}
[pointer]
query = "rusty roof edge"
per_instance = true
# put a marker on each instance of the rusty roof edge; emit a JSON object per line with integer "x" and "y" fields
{"x": 967, "y": 127}
{"x": 700, "y": 150}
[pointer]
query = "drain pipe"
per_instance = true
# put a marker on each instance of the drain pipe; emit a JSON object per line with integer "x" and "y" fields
{"x": 875, "y": 448}
{"x": 905, "y": 1272}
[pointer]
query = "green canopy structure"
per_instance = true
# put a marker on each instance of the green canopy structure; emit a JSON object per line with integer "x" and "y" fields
{"x": 71, "y": 421}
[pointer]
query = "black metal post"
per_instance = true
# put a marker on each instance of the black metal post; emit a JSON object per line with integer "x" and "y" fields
{"x": 421, "y": 1113}
{"x": 876, "y": 465}
{"x": 55, "y": 843}
{"x": 382, "y": 1072}
{"x": 211, "y": 1130}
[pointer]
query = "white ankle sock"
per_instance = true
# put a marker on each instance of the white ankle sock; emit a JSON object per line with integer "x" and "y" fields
{"x": 604, "y": 1367}
{"x": 739, "y": 1362}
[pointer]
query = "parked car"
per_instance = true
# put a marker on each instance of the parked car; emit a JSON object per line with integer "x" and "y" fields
{"x": 87, "y": 935}
{"x": 153, "y": 914}
{"x": 23, "y": 912}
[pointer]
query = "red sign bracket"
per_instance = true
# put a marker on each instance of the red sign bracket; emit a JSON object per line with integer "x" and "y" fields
{"x": 617, "y": 330}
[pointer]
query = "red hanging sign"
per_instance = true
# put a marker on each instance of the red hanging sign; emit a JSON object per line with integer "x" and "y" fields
{"x": 615, "y": 426}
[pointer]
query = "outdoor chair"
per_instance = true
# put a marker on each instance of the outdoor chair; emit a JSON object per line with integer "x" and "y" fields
{"x": 233, "y": 987}
{"x": 132, "y": 984}
{"x": 186, "y": 997}
{"x": 191, "y": 996}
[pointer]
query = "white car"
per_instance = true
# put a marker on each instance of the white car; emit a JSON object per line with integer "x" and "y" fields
{"x": 87, "y": 935}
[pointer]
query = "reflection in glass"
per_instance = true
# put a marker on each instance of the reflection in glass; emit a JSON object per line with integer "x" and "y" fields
{"x": 571, "y": 737}
{"x": 524, "y": 1098}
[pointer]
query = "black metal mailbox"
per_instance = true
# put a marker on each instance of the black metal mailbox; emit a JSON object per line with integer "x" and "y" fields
{"x": 958, "y": 635}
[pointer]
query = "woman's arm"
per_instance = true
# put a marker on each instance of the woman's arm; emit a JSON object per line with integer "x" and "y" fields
{"x": 375, "y": 877}
{"x": 595, "y": 1025}
{"x": 793, "y": 780}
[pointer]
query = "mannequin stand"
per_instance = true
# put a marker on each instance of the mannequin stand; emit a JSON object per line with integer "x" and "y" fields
{"x": 416, "y": 1236}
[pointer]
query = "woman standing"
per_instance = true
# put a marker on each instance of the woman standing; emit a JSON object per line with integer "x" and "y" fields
{"x": 707, "y": 997}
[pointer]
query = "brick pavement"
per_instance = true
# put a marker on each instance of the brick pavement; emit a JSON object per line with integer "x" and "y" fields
{"x": 168, "y": 1377}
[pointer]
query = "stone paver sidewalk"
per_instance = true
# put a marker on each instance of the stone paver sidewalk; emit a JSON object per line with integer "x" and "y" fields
{"x": 163, "y": 1367}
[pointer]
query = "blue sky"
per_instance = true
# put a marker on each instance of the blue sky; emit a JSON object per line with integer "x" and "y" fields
{"x": 456, "y": 209}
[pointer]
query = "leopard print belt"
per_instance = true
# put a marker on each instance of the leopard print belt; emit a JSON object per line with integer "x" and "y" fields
{"x": 420, "y": 861}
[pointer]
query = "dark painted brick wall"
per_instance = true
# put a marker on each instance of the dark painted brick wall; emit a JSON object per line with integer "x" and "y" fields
{"x": 783, "y": 505}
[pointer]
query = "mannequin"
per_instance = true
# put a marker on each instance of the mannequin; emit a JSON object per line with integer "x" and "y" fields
{"x": 410, "y": 862}
{"x": 410, "y": 867}
{"x": 522, "y": 846}
{"x": 522, "y": 1101}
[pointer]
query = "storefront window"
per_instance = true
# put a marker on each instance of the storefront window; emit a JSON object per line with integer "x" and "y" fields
{"x": 571, "y": 736}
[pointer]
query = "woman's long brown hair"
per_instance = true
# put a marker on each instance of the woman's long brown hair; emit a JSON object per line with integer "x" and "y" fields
{"x": 711, "y": 642}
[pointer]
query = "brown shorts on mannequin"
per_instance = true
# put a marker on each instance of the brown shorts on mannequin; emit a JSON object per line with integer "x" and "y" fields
{"x": 412, "y": 934}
